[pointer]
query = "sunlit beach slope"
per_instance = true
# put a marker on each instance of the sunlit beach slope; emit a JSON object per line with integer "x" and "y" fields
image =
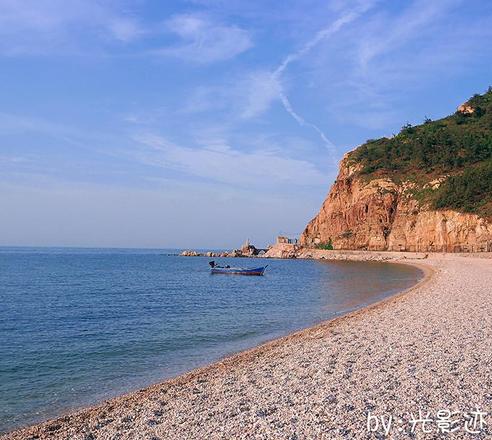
{"x": 427, "y": 349}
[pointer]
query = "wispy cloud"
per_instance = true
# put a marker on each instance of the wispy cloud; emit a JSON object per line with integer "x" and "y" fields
{"x": 46, "y": 26}
{"x": 260, "y": 89}
{"x": 419, "y": 18}
{"x": 396, "y": 52}
{"x": 245, "y": 96}
{"x": 56, "y": 136}
{"x": 253, "y": 94}
{"x": 13, "y": 124}
{"x": 203, "y": 40}
{"x": 8, "y": 159}
{"x": 206, "y": 99}
{"x": 221, "y": 163}
{"x": 125, "y": 29}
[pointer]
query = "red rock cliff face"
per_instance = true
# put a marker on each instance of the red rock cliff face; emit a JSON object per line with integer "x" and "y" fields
{"x": 381, "y": 215}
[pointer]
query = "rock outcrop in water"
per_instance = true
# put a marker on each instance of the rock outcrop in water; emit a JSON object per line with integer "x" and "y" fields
{"x": 388, "y": 198}
{"x": 246, "y": 250}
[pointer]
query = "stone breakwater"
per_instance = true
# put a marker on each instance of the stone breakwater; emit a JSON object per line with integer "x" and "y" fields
{"x": 288, "y": 251}
{"x": 427, "y": 349}
{"x": 295, "y": 251}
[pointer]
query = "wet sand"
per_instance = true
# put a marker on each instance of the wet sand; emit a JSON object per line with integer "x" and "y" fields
{"x": 427, "y": 349}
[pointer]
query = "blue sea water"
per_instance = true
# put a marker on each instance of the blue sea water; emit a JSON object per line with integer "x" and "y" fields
{"x": 81, "y": 325}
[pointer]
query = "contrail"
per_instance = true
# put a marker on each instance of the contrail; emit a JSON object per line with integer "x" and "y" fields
{"x": 302, "y": 122}
{"x": 320, "y": 36}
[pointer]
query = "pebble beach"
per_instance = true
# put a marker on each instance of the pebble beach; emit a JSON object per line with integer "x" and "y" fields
{"x": 369, "y": 374}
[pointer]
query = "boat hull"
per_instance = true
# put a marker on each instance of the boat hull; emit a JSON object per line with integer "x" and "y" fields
{"x": 259, "y": 271}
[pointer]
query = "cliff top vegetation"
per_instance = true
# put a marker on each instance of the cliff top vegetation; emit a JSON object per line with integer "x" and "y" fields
{"x": 458, "y": 146}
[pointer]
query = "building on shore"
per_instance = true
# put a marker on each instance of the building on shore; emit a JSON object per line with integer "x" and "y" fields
{"x": 281, "y": 239}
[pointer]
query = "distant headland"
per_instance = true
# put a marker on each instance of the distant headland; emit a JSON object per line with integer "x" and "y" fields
{"x": 426, "y": 189}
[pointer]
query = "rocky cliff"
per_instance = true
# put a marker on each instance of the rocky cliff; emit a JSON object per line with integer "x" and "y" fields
{"x": 382, "y": 215}
{"x": 377, "y": 204}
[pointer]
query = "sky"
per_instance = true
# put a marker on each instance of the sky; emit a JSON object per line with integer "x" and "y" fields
{"x": 200, "y": 123}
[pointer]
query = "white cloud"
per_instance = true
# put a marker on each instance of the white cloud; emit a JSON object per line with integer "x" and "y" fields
{"x": 222, "y": 163}
{"x": 245, "y": 97}
{"x": 254, "y": 93}
{"x": 204, "y": 41}
{"x": 45, "y": 26}
{"x": 4, "y": 159}
{"x": 419, "y": 18}
{"x": 260, "y": 89}
{"x": 12, "y": 123}
{"x": 206, "y": 99}
{"x": 124, "y": 29}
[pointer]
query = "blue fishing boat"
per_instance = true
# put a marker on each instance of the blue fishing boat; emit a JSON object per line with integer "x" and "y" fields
{"x": 228, "y": 270}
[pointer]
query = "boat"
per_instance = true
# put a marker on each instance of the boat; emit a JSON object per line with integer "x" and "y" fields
{"x": 227, "y": 270}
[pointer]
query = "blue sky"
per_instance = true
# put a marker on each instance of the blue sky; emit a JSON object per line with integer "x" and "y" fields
{"x": 201, "y": 123}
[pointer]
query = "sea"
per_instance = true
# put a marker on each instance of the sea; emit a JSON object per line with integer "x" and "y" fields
{"x": 78, "y": 326}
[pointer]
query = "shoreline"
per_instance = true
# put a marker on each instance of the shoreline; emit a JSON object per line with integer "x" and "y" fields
{"x": 230, "y": 357}
{"x": 77, "y": 424}
{"x": 236, "y": 356}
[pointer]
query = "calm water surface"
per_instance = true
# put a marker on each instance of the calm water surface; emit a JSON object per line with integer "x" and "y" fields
{"x": 81, "y": 325}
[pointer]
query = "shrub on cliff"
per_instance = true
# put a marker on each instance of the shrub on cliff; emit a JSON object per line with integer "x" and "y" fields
{"x": 468, "y": 192}
{"x": 326, "y": 246}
